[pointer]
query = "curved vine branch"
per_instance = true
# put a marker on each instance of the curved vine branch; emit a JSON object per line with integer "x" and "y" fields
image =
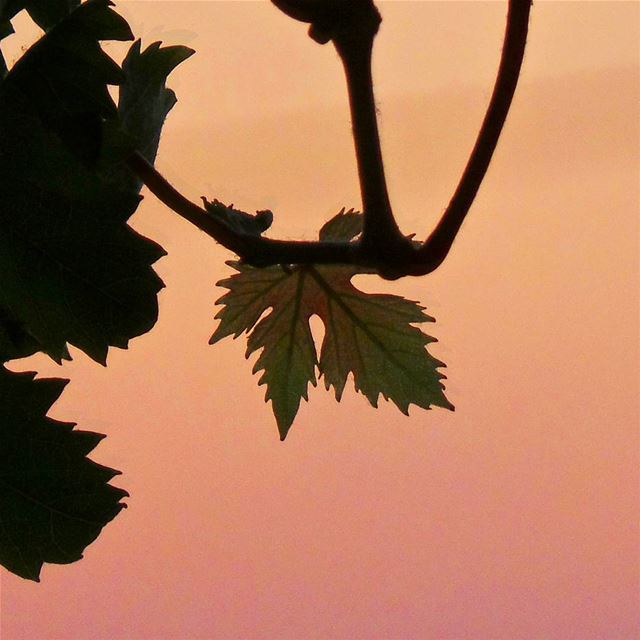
{"x": 438, "y": 244}
{"x": 401, "y": 258}
{"x": 253, "y": 249}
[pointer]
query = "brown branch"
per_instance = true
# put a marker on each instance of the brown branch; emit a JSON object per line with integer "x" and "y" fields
{"x": 252, "y": 249}
{"x": 381, "y": 249}
{"x": 196, "y": 215}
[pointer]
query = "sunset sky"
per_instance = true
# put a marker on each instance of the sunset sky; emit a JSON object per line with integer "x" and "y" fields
{"x": 514, "y": 518}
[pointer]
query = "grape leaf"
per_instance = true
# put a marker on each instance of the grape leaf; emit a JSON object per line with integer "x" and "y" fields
{"x": 143, "y": 106}
{"x": 343, "y": 227}
{"x": 54, "y": 501}
{"x": 45, "y": 13}
{"x": 145, "y": 101}
{"x": 371, "y": 336}
{"x": 15, "y": 340}
{"x": 71, "y": 269}
{"x": 64, "y": 76}
{"x": 289, "y": 357}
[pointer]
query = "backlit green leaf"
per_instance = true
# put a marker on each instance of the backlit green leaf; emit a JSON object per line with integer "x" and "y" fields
{"x": 371, "y": 336}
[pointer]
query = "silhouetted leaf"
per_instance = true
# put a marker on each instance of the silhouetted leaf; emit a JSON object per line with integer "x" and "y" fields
{"x": 370, "y": 336}
{"x": 15, "y": 341}
{"x": 64, "y": 76}
{"x": 143, "y": 106}
{"x": 54, "y": 501}
{"x": 45, "y": 13}
{"x": 71, "y": 269}
{"x": 240, "y": 221}
{"x": 145, "y": 101}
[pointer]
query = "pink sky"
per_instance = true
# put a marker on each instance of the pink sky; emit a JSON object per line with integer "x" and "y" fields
{"x": 514, "y": 518}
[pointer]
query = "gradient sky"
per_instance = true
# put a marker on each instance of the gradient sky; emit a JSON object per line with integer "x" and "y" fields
{"x": 514, "y": 518}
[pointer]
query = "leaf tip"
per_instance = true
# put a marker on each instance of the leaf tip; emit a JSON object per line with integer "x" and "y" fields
{"x": 284, "y": 419}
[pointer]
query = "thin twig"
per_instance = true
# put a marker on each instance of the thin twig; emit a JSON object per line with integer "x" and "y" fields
{"x": 438, "y": 244}
{"x": 196, "y": 215}
{"x": 252, "y": 249}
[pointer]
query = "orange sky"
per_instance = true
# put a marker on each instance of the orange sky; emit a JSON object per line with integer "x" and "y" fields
{"x": 514, "y": 518}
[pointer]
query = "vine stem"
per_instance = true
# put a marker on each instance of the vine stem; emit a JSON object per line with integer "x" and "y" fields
{"x": 380, "y": 231}
{"x": 437, "y": 246}
{"x": 401, "y": 258}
